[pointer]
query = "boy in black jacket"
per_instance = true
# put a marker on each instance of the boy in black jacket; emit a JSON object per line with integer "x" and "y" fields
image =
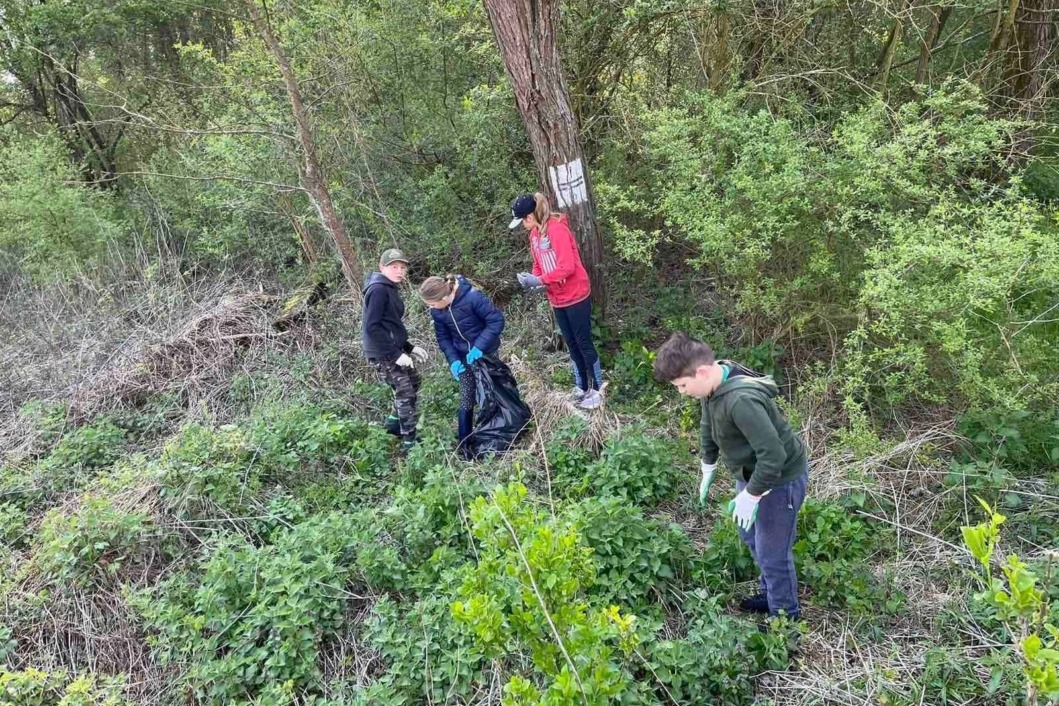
{"x": 386, "y": 343}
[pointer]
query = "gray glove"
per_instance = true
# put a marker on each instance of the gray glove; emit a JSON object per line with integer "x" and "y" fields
{"x": 528, "y": 281}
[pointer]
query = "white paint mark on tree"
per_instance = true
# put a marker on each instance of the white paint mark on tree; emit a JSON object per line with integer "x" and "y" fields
{"x": 568, "y": 183}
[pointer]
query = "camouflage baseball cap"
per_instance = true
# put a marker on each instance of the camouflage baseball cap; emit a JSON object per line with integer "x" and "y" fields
{"x": 391, "y": 256}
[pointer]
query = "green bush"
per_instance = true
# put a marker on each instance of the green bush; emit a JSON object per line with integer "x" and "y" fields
{"x": 306, "y": 438}
{"x": 716, "y": 661}
{"x": 251, "y": 617}
{"x": 832, "y": 555}
{"x": 50, "y": 222}
{"x": 632, "y": 372}
{"x": 207, "y": 472}
{"x": 428, "y": 657}
{"x": 1022, "y": 441}
{"x": 725, "y": 559}
{"x": 33, "y": 687}
{"x": 12, "y": 525}
{"x": 929, "y": 312}
{"x": 640, "y": 468}
{"x": 95, "y": 541}
{"x": 567, "y": 454}
{"x": 527, "y": 592}
{"x": 87, "y": 449}
{"x": 638, "y": 560}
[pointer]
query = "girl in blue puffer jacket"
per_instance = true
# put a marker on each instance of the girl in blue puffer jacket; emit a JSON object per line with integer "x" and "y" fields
{"x": 467, "y": 326}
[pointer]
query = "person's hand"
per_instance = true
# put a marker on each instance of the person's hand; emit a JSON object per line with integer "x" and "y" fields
{"x": 744, "y": 509}
{"x": 529, "y": 281}
{"x": 419, "y": 354}
{"x": 456, "y": 368}
{"x": 708, "y": 471}
{"x": 404, "y": 361}
{"x": 473, "y": 355}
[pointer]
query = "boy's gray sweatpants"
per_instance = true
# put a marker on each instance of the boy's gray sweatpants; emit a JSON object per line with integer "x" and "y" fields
{"x": 771, "y": 542}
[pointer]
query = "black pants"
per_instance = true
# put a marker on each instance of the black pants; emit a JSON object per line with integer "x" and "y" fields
{"x": 405, "y": 385}
{"x": 575, "y": 322}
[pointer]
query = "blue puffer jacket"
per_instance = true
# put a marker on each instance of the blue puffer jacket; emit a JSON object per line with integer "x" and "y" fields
{"x": 471, "y": 321}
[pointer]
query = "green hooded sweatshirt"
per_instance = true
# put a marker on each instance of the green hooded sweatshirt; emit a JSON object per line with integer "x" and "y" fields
{"x": 742, "y": 423}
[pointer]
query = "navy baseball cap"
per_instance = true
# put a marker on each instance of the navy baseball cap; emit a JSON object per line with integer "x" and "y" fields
{"x": 522, "y": 207}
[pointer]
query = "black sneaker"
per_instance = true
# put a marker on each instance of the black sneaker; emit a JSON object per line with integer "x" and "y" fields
{"x": 392, "y": 425}
{"x": 757, "y": 603}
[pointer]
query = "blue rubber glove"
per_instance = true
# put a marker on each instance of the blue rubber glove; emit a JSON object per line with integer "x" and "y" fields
{"x": 474, "y": 355}
{"x": 457, "y": 367}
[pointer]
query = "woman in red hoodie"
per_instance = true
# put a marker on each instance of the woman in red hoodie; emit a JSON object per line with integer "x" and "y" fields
{"x": 557, "y": 268}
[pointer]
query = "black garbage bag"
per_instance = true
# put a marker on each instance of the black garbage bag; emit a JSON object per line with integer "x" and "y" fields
{"x": 502, "y": 417}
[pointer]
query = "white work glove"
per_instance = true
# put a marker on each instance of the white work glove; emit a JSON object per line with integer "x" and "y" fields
{"x": 419, "y": 354}
{"x": 405, "y": 362}
{"x": 744, "y": 508}
{"x": 708, "y": 469}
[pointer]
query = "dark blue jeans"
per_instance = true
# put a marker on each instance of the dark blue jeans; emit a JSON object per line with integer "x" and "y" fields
{"x": 771, "y": 542}
{"x": 575, "y": 322}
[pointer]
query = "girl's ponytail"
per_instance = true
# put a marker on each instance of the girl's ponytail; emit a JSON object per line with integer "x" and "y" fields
{"x": 435, "y": 289}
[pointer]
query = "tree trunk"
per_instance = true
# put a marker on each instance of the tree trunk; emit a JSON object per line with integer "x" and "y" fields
{"x": 889, "y": 50}
{"x": 937, "y": 25}
{"x": 1029, "y": 79}
{"x": 999, "y": 41}
{"x": 312, "y": 175}
{"x": 525, "y": 32}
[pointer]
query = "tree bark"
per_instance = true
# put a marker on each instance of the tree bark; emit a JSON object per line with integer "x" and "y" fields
{"x": 312, "y": 175}
{"x": 937, "y": 26}
{"x": 1029, "y": 79}
{"x": 525, "y": 32}
{"x": 889, "y": 50}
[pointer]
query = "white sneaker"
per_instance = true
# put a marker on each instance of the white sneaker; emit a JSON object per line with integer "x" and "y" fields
{"x": 592, "y": 400}
{"x": 577, "y": 394}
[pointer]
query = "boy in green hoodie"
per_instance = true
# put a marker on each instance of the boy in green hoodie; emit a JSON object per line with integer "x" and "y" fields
{"x": 742, "y": 424}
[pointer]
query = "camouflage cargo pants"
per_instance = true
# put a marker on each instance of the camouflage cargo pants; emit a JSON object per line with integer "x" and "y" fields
{"x": 405, "y": 385}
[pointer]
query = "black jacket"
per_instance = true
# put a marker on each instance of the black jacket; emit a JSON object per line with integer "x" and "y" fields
{"x": 385, "y": 336}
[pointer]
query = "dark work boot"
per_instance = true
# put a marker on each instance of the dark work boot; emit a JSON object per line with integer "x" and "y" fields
{"x": 757, "y": 603}
{"x": 407, "y": 442}
{"x": 393, "y": 425}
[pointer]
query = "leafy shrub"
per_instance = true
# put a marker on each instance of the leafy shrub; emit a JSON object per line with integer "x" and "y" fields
{"x": 633, "y": 372}
{"x": 33, "y": 687}
{"x": 527, "y": 592}
{"x": 89, "y": 448}
{"x": 634, "y": 555}
{"x": 927, "y": 185}
{"x": 12, "y": 525}
{"x": 49, "y": 221}
{"x": 207, "y": 472}
{"x": 304, "y": 438}
{"x": 1020, "y": 440}
{"x": 640, "y": 468}
{"x": 832, "y": 555}
{"x": 48, "y": 419}
{"x": 428, "y": 656}
{"x": 251, "y": 617}
{"x": 716, "y": 660}
{"x": 1022, "y": 603}
{"x": 568, "y": 456}
{"x": 725, "y": 559}
{"x": 424, "y": 519}
{"x": 96, "y": 540}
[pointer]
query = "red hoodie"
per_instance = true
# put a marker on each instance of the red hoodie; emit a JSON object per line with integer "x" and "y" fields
{"x": 557, "y": 262}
